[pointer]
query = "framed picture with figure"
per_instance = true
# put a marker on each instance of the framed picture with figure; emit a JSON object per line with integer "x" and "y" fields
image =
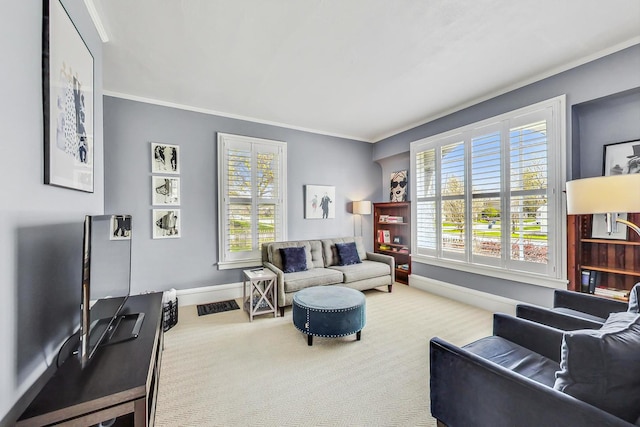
{"x": 166, "y": 224}
{"x": 622, "y": 158}
{"x": 165, "y": 158}
{"x": 68, "y": 95}
{"x": 320, "y": 202}
{"x": 165, "y": 190}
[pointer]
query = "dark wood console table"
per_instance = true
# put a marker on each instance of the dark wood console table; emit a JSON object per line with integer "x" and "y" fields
{"x": 121, "y": 381}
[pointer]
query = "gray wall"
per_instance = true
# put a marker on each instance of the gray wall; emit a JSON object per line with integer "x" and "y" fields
{"x": 189, "y": 261}
{"x": 41, "y": 225}
{"x": 602, "y": 107}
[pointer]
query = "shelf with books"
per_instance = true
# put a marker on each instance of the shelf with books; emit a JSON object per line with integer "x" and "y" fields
{"x": 614, "y": 264}
{"x": 392, "y": 235}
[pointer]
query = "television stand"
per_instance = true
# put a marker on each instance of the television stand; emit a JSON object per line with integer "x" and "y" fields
{"x": 135, "y": 331}
{"x": 120, "y": 381}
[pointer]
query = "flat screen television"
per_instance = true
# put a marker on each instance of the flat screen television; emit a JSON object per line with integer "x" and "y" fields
{"x": 106, "y": 281}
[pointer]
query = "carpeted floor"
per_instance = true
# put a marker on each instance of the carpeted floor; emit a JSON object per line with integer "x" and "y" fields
{"x": 222, "y": 370}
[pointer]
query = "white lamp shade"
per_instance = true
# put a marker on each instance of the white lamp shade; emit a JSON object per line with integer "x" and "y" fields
{"x": 604, "y": 194}
{"x": 362, "y": 207}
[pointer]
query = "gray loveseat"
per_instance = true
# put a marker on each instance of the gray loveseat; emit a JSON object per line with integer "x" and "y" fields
{"x": 322, "y": 268}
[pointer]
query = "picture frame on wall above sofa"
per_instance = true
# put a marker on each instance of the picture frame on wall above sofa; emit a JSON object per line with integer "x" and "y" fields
{"x": 166, "y": 224}
{"x": 319, "y": 202}
{"x": 165, "y": 190}
{"x": 622, "y": 158}
{"x": 68, "y": 97}
{"x": 165, "y": 158}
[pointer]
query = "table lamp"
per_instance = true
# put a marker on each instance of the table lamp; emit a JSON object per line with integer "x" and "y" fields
{"x": 607, "y": 195}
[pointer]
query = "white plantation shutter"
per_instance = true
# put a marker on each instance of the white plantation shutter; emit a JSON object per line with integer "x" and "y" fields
{"x": 252, "y": 205}
{"x": 483, "y": 193}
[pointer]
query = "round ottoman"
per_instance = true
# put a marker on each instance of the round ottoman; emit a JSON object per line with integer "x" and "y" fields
{"x": 329, "y": 311}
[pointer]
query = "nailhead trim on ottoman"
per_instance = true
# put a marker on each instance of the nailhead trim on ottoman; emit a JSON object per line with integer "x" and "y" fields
{"x": 329, "y": 311}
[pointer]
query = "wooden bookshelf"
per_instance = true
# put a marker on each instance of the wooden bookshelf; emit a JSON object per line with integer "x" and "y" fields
{"x": 401, "y": 230}
{"x": 617, "y": 261}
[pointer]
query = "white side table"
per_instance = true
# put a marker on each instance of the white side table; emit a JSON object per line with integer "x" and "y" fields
{"x": 259, "y": 292}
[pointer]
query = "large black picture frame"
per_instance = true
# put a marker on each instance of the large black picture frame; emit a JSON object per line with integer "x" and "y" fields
{"x": 621, "y": 158}
{"x": 68, "y": 101}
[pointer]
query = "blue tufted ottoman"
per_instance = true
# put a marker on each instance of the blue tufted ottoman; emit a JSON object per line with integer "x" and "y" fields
{"x": 329, "y": 311}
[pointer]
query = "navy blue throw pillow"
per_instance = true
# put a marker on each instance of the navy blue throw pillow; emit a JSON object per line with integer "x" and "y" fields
{"x": 347, "y": 253}
{"x": 293, "y": 259}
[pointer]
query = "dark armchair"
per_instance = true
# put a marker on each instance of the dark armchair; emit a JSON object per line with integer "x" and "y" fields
{"x": 575, "y": 310}
{"x": 508, "y": 379}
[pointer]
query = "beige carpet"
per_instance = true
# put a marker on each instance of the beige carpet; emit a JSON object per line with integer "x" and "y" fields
{"x": 222, "y": 370}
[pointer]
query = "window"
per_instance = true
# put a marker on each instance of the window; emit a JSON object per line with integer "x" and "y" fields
{"x": 252, "y": 198}
{"x": 487, "y": 196}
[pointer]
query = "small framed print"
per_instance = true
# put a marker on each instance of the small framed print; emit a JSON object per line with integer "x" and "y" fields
{"x": 165, "y": 190}
{"x": 120, "y": 227}
{"x": 622, "y": 158}
{"x": 165, "y": 158}
{"x": 397, "y": 240}
{"x": 599, "y": 228}
{"x": 166, "y": 224}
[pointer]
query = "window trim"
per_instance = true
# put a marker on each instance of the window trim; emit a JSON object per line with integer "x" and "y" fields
{"x": 255, "y": 259}
{"x": 556, "y": 275}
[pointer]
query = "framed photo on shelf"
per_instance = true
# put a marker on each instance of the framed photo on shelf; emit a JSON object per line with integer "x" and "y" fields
{"x": 165, "y": 158}
{"x": 599, "y": 228}
{"x": 319, "y": 202}
{"x": 166, "y": 223}
{"x": 68, "y": 95}
{"x": 622, "y": 158}
{"x": 120, "y": 227}
{"x": 165, "y": 190}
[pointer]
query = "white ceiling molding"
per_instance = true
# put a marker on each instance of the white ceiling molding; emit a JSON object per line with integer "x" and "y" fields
{"x": 97, "y": 22}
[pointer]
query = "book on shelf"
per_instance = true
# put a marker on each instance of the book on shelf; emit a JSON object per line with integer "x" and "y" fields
{"x": 621, "y": 294}
{"x": 584, "y": 280}
{"x": 594, "y": 280}
{"x": 384, "y": 247}
{"x": 384, "y": 236}
{"x": 394, "y": 218}
{"x": 403, "y": 267}
{"x": 383, "y": 218}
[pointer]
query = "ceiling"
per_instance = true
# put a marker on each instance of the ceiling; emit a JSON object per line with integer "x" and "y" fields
{"x": 360, "y": 69}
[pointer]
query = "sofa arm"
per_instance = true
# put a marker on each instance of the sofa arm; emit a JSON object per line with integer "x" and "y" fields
{"x": 538, "y": 338}
{"x": 279, "y": 282}
{"x": 467, "y": 390}
{"x": 555, "y": 319}
{"x": 587, "y": 303}
{"x": 387, "y": 259}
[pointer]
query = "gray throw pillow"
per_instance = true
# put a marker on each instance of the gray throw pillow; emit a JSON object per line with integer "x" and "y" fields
{"x": 601, "y": 367}
{"x": 633, "y": 299}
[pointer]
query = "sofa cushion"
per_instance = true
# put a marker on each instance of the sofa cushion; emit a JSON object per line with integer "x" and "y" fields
{"x": 331, "y": 256}
{"x": 348, "y": 253}
{"x": 600, "y": 366}
{"x": 516, "y": 358}
{"x": 365, "y": 270}
{"x": 293, "y": 259}
{"x": 315, "y": 277}
{"x": 275, "y": 257}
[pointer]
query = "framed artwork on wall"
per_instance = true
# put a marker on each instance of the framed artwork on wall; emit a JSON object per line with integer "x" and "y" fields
{"x": 398, "y": 187}
{"x": 622, "y": 158}
{"x": 68, "y": 95}
{"x": 319, "y": 202}
{"x": 165, "y": 190}
{"x": 120, "y": 227}
{"x": 166, "y": 223}
{"x": 165, "y": 158}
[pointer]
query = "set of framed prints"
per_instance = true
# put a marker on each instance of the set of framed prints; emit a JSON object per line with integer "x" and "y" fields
{"x": 165, "y": 190}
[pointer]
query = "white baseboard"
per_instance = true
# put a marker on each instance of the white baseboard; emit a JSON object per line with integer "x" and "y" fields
{"x": 484, "y": 300}
{"x": 207, "y": 294}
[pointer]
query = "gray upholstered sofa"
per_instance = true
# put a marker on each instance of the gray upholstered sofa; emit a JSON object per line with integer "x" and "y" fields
{"x": 322, "y": 267}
